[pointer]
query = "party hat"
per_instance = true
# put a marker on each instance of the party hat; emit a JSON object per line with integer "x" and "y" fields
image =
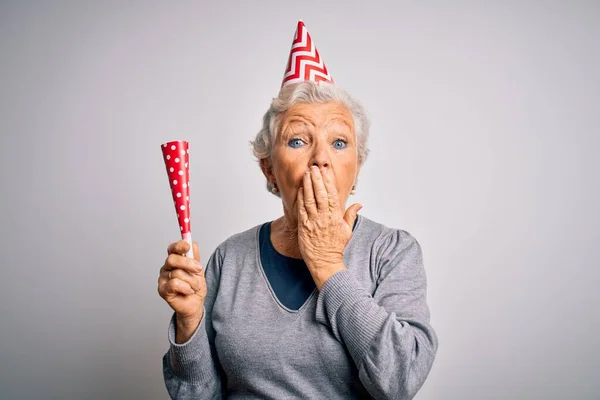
{"x": 176, "y": 156}
{"x": 304, "y": 63}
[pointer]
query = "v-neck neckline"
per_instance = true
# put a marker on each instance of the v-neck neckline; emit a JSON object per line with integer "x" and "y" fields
{"x": 266, "y": 278}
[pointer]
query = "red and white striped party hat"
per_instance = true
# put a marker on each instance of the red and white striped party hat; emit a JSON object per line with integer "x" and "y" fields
{"x": 304, "y": 63}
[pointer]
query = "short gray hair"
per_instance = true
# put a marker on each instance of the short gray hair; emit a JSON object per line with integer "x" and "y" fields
{"x": 309, "y": 92}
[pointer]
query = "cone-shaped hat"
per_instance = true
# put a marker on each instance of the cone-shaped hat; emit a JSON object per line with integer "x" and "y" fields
{"x": 304, "y": 63}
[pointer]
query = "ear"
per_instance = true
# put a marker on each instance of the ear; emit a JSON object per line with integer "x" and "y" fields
{"x": 357, "y": 173}
{"x": 267, "y": 169}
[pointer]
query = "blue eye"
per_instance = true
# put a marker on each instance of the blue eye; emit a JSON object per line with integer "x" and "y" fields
{"x": 340, "y": 144}
{"x": 295, "y": 143}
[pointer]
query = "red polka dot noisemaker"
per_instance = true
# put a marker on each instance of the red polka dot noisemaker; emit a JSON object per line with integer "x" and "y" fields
{"x": 177, "y": 161}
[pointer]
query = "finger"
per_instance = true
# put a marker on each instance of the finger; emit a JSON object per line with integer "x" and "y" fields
{"x": 164, "y": 272}
{"x": 202, "y": 286}
{"x": 180, "y": 247}
{"x": 196, "y": 251}
{"x": 332, "y": 194}
{"x": 175, "y": 261}
{"x": 351, "y": 213}
{"x": 167, "y": 272}
{"x": 177, "y": 286}
{"x": 319, "y": 189}
{"x": 191, "y": 280}
{"x": 309, "y": 198}
{"x": 162, "y": 281}
{"x": 303, "y": 216}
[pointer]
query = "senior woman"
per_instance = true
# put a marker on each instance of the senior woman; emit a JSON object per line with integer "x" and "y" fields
{"x": 319, "y": 303}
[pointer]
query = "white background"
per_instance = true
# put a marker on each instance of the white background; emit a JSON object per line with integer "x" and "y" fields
{"x": 485, "y": 129}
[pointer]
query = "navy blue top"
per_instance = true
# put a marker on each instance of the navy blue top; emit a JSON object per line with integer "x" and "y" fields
{"x": 289, "y": 277}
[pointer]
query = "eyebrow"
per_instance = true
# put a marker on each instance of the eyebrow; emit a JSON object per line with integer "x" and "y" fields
{"x": 286, "y": 133}
{"x": 341, "y": 122}
{"x": 305, "y": 121}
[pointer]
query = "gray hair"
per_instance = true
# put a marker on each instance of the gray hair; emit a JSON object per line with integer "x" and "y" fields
{"x": 309, "y": 92}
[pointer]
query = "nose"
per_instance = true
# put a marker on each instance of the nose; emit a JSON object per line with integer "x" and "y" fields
{"x": 320, "y": 156}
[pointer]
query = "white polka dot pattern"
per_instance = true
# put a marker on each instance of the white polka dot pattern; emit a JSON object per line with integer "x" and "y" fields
{"x": 176, "y": 157}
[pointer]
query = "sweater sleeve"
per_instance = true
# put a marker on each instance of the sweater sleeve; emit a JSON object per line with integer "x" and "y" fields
{"x": 387, "y": 333}
{"x": 191, "y": 370}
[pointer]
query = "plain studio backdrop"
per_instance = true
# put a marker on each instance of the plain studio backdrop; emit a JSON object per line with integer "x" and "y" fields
{"x": 485, "y": 128}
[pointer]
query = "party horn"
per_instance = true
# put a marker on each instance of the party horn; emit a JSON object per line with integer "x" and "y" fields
{"x": 177, "y": 155}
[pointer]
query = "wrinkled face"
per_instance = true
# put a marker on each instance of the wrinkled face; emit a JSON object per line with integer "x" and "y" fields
{"x": 313, "y": 134}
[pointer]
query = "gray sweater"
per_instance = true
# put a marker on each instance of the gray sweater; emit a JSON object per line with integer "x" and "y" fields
{"x": 365, "y": 334}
